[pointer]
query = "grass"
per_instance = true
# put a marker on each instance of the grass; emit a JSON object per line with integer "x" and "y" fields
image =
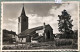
{"x": 56, "y": 44}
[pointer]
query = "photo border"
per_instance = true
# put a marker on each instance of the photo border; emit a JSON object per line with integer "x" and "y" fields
{"x": 38, "y": 2}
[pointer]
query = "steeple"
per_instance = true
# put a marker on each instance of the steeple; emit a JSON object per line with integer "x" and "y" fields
{"x": 23, "y": 11}
{"x": 22, "y": 21}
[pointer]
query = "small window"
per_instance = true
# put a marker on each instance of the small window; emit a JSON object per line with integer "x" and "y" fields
{"x": 19, "y": 19}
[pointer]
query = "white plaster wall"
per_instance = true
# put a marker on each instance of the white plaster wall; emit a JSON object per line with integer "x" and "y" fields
{"x": 24, "y": 40}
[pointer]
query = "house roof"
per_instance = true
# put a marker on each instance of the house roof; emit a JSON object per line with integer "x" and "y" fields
{"x": 9, "y": 32}
{"x": 31, "y": 31}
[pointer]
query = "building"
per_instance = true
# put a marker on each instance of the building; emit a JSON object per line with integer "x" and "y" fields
{"x": 22, "y": 21}
{"x": 37, "y": 34}
{"x": 8, "y": 37}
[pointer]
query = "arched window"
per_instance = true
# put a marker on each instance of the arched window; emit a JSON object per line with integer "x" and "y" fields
{"x": 19, "y": 19}
{"x": 48, "y": 34}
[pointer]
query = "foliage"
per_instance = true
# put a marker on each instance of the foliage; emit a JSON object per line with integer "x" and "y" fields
{"x": 65, "y": 22}
{"x": 65, "y": 25}
{"x": 63, "y": 42}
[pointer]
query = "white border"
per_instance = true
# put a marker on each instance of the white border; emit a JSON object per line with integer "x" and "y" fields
{"x": 78, "y": 25}
{"x": 38, "y": 2}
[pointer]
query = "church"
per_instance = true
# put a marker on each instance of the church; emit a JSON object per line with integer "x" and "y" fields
{"x": 37, "y": 34}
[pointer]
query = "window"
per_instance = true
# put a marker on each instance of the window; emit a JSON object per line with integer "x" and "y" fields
{"x": 19, "y": 19}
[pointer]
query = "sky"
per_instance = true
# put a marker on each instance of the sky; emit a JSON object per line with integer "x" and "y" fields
{"x": 38, "y": 13}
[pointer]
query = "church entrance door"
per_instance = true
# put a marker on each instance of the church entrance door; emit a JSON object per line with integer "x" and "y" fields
{"x": 48, "y": 34}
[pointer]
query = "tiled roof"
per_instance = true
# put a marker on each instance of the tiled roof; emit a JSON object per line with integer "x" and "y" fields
{"x": 31, "y": 31}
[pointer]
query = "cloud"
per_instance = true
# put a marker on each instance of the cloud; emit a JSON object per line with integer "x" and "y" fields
{"x": 71, "y": 8}
{"x": 38, "y": 13}
{"x": 35, "y": 21}
{"x": 10, "y": 24}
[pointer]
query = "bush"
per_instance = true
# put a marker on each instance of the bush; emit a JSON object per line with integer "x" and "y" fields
{"x": 63, "y": 42}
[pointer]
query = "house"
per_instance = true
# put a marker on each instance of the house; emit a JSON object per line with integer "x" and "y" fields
{"x": 9, "y": 36}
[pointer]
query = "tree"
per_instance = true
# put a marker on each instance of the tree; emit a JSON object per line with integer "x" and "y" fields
{"x": 65, "y": 23}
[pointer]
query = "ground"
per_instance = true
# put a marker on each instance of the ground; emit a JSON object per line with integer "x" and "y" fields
{"x": 45, "y": 45}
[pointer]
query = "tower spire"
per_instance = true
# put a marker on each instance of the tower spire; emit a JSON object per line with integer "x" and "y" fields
{"x": 23, "y": 11}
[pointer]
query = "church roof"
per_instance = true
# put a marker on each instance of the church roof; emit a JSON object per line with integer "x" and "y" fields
{"x": 23, "y": 11}
{"x": 31, "y": 31}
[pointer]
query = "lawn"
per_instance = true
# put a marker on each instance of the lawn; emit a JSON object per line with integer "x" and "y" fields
{"x": 56, "y": 44}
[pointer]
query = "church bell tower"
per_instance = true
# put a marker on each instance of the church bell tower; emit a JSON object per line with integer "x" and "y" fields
{"x": 22, "y": 21}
